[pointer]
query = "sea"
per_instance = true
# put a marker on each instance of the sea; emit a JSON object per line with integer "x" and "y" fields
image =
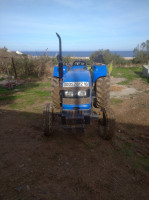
{"x": 76, "y": 53}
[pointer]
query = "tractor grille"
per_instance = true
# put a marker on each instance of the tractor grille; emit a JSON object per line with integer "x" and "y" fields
{"x": 76, "y": 100}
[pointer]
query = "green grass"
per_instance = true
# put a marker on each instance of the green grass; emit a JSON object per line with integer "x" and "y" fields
{"x": 90, "y": 146}
{"x": 26, "y": 95}
{"x": 2, "y": 79}
{"x": 9, "y": 98}
{"x": 124, "y": 82}
{"x": 146, "y": 91}
{"x": 27, "y": 86}
{"x": 143, "y": 162}
{"x": 138, "y": 162}
{"x": 129, "y": 73}
{"x": 4, "y": 91}
{"x": 146, "y": 80}
{"x": 127, "y": 151}
{"x": 116, "y": 101}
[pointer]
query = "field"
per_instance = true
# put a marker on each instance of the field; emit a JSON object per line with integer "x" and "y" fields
{"x": 75, "y": 166}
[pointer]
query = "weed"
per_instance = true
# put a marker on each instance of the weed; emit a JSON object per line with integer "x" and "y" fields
{"x": 128, "y": 144}
{"x": 146, "y": 80}
{"x": 127, "y": 149}
{"x": 9, "y": 98}
{"x": 146, "y": 91}
{"x": 90, "y": 146}
{"x": 17, "y": 106}
{"x": 127, "y": 152}
{"x": 41, "y": 93}
{"x": 136, "y": 161}
{"x": 116, "y": 101}
{"x": 2, "y": 79}
{"x": 44, "y": 84}
{"x": 4, "y": 91}
{"x": 27, "y": 86}
{"x": 144, "y": 162}
{"x": 124, "y": 82}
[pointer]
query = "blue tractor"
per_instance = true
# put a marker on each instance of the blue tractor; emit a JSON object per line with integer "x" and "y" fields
{"x": 80, "y": 96}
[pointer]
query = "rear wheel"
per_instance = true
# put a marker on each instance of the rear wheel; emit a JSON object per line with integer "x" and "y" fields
{"x": 102, "y": 91}
{"x": 106, "y": 123}
{"x": 55, "y": 93}
{"x": 48, "y": 119}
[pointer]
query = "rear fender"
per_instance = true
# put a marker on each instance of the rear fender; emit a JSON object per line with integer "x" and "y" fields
{"x": 99, "y": 71}
{"x": 56, "y": 71}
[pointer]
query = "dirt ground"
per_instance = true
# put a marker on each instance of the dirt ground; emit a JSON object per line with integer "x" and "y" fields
{"x": 77, "y": 166}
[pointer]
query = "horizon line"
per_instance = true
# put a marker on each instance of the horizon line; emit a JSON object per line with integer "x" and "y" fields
{"x": 70, "y": 50}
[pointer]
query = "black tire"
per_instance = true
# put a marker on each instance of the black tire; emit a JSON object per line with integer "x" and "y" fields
{"x": 48, "y": 119}
{"x": 102, "y": 92}
{"x": 106, "y": 123}
{"x": 55, "y": 93}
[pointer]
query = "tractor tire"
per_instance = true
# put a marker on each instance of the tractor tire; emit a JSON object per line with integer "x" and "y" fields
{"x": 102, "y": 92}
{"x": 55, "y": 93}
{"x": 106, "y": 123}
{"x": 48, "y": 119}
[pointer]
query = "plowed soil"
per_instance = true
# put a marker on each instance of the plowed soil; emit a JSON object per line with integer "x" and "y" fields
{"x": 76, "y": 166}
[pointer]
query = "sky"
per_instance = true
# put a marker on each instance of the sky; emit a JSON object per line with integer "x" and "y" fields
{"x": 84, "y": 25}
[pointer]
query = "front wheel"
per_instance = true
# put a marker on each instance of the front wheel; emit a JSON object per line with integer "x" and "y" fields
{"x": 106, "y": 123}
{"x": 48, "y": 119}
{"x": 56, "y": 93}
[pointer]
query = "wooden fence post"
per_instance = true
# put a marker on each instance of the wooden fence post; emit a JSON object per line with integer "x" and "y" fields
{"x": 13, "y": 65}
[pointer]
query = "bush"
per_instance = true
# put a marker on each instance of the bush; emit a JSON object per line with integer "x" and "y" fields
{"x": 28, "y": 66}
{"x": 107, "y": 57}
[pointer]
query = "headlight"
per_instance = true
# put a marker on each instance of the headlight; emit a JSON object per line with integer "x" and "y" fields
{"x": 68, "y": 93}
{"x": 76, "y": 93}
{"x": 81, "y": 93}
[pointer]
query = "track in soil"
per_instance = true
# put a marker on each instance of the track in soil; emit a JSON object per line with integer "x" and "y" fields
{"x": 64, "y": 166}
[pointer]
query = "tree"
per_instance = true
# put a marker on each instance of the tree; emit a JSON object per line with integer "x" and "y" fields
{"x": 141, "y": 52}
{"x": 147, "y": 45}
{"x": 143, "y": 45}
{"x": 107, "y": 57}
{"x": 67, "y": 59}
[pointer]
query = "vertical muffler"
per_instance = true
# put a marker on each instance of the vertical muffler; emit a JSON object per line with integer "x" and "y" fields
{"x": 60, "y": 61}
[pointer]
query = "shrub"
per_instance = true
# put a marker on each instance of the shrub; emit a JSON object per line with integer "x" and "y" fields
{"x": 107, "y": 57}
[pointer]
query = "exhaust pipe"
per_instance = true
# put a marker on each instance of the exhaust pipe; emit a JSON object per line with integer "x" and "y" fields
{"x": 60, "y": 62}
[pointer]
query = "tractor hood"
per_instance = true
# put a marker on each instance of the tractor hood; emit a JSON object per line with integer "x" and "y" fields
{"x": 77, "y": 78}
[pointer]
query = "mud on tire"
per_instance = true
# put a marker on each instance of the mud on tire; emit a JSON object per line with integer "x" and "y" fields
{"x": 106, "y": 123}
{"x": 55, "y": 93}
{"x": 102, "y": 91}
{"x": 48, "y": 119}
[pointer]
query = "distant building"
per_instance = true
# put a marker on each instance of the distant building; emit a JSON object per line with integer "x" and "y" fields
{"x": 19, "y": 53}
